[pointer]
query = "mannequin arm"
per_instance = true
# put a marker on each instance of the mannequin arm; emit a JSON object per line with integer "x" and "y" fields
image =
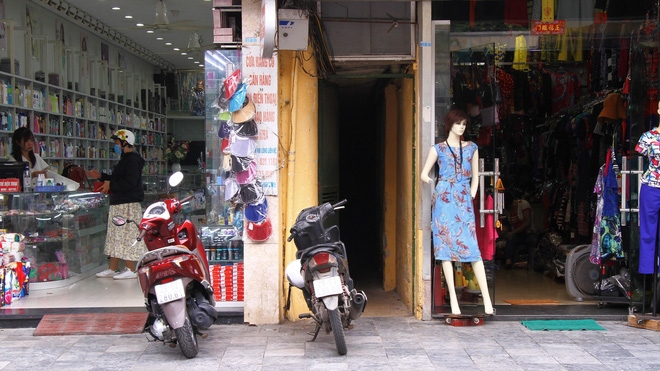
{"x": 430, "y": 161}
{"x": 474, "y": 184}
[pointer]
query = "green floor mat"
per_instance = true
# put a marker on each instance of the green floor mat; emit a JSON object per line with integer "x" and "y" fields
{"x": 563, "y": 325}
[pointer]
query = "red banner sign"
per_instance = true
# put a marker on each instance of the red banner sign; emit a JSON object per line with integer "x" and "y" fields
{"x": 548, "y": 28}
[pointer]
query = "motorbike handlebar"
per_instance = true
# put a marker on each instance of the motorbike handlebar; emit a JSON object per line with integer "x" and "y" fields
{"x": 186, "y": 199}
{"x": 143, "y": 233}
{"x": 324, "y": 209}
{"x": 339, "y": 204}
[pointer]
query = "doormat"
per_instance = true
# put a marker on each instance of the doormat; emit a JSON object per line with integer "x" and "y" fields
{"x": 563, "y": 325}
{"x": 91, "y": 324}
{"x": 532, "y": 302}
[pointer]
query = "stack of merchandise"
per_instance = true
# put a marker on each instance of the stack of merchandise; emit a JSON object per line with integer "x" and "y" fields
{"x": 228, "y": 282}
{"x": 15, "y": 270}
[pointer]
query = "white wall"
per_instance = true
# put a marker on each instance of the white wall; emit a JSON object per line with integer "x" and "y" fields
{"x": 46, "y": 23}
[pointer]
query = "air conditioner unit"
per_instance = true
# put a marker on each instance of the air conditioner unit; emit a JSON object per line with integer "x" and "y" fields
{"x": 369, "y": 30}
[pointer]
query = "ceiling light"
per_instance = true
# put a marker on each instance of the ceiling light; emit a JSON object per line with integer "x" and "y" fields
{"x": 168, "y": 44}
{"x": 150, "y": 31}
{"x": 140, "y": 24}
{"x": 190, "y": 57}
{"x": 184, "y": 53}
{"x": 159, "y": 38}
{"x": 128, "y": 16}
{"x": 176, "y": 49}
{"x": 161, "y": 13}
{"x": 193, "y": 42}
{"x": 116, "y": 8}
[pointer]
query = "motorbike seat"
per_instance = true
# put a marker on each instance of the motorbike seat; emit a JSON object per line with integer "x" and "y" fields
{"x": 334, "y": 248}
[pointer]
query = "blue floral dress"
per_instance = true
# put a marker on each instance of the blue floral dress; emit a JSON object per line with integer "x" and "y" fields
{"x": 453, "y": 224}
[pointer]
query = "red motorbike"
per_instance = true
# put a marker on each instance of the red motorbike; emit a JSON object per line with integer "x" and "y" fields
{"x": 174, "y": 275}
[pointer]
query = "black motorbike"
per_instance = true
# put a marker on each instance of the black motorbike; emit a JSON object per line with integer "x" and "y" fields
{"x": 321, "y": 272}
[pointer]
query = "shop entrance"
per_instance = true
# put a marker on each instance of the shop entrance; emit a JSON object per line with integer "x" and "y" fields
{"x": 352, "y": 166}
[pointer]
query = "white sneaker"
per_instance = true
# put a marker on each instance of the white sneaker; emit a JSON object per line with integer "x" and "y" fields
{"x": 127, "y": 274}
{"x": 108, "y": 273}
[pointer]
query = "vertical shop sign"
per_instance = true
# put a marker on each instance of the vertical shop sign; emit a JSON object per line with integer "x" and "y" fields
{"x": 262, "y": 90}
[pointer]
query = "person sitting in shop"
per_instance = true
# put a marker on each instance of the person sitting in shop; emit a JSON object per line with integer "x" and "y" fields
{"x": 22, "y": 149}
{"x": 518, "y": 235}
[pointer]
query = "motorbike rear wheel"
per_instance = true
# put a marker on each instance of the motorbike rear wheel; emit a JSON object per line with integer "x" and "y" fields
{"x": 187, "y": 339}
{"x": 337, "y": 331}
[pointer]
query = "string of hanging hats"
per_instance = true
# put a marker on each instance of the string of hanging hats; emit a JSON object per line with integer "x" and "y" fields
{"x": 237, "y": 133}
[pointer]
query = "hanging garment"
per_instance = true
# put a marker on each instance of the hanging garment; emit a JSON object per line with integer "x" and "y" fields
{"x": 594, "y": 256}
{"x": 487, "y": 234}
{"x": 610, "y": 223}
{"x": 520, "y": 53}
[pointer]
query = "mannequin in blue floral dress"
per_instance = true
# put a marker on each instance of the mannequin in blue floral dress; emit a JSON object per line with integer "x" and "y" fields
{"x": 453, "y": 222}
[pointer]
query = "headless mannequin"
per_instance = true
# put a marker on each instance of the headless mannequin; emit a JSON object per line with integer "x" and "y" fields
{"x": 649, "y": 209}
{"x": 454, "y": 140}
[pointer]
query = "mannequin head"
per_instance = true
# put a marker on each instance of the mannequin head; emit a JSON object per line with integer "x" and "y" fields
{"x": 453, "y": 117}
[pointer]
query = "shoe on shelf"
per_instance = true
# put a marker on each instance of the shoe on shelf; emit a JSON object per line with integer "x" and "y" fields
{"x": 127, "y": 274}
{"x": 108, "y": 273}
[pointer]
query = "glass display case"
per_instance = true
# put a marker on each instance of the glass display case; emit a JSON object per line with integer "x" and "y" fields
{"x": 222, "y": 233}
{"x": 64, "y": 233}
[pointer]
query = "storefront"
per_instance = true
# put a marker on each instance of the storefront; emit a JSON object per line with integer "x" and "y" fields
{"x": 554, "y": 103}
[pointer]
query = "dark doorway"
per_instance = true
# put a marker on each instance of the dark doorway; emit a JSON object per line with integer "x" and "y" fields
{"x": 361, "y": 125}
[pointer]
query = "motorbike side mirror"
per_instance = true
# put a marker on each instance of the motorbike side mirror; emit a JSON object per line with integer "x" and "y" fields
{"x": 118, "y": 220}
{"x": 175, "y": 179}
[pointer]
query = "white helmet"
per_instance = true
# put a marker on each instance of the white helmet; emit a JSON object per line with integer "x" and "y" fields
{"x": 125, "y": 135}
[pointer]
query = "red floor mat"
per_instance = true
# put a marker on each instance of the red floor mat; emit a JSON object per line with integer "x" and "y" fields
{"x": 91, "y": 324}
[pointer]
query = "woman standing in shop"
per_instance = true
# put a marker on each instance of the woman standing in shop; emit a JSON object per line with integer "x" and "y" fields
{"x": 124, "y": 186}
{"x": 22, "y": 149}
{"x": 453, "y": 223}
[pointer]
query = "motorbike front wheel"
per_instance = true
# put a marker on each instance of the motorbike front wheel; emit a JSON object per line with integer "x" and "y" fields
{"x": 337, "y": 331}
{"x": 187, "y": 339}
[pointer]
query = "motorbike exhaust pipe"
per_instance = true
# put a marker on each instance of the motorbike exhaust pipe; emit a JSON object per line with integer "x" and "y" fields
{"x": 358, "y": 303}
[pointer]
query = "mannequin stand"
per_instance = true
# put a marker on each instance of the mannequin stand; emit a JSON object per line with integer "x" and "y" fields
{"x": 460, "y": 320}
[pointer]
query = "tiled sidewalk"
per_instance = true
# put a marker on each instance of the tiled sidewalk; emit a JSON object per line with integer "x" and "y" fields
{"x": 375, "y": 343}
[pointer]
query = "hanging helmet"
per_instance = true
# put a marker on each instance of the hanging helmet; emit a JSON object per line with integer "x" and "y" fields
{"x": 124, "y": 135}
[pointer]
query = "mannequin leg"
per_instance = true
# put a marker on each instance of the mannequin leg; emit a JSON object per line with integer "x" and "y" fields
{"x": 480, "y": 273}
{"x": 448, "y": 270}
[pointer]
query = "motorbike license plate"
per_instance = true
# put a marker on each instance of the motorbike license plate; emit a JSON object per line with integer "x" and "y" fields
{"x": 327, "y": 286}
{"x": 170, "y": 291}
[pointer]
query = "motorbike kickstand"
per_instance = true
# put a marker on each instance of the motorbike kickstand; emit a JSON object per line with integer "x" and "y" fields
{"x": 316, "y": 332}
{"x": 203, "y": 335}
